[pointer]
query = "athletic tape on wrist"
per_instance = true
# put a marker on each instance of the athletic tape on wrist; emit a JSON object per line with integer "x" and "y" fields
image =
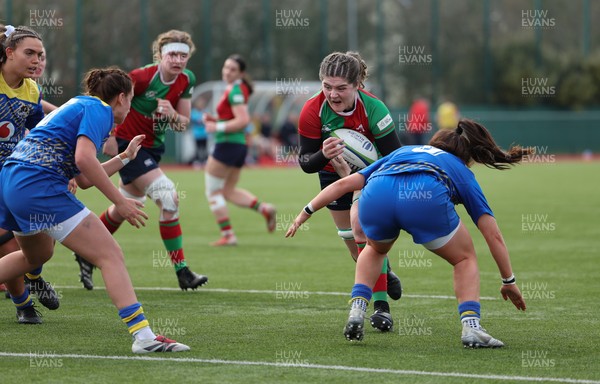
{"x": 509, "y": 280}
{"x": 309, "y": 209}
{"x": 125, "y": 160}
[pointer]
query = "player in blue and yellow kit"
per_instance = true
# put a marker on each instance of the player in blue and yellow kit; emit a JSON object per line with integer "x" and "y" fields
{"x": 36, "y": 203}
{"x": 415, "y": 189}
{"x": 20, "y": 110}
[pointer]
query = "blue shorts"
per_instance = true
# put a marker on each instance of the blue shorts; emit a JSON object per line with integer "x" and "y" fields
{"x": 33, "y": 199}
{"x": 146, "y": 160}
{"x": 415, "y": 202}
{"x": 231, "y": 154}
{"x": 343, "y": 203}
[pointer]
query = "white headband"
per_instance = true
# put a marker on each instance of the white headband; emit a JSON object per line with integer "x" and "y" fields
{"x": 9, "y": 30}
{"x": 175, "y": 47}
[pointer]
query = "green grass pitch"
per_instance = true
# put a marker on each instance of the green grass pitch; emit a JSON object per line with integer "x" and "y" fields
{"x": 274, "y": 308}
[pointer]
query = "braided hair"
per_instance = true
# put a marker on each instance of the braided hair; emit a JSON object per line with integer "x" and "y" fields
{"x": 349, "y": 66}
{"x": 11, "y": 36}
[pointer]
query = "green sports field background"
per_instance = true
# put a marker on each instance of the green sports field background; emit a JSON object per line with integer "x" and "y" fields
{"x": 274, "y": 308}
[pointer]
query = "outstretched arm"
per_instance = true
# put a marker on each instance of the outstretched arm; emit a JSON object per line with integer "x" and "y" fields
{"x": 95, "y": 174}
{"x": 330, "y": 193}
{"x": 493, "y": 237}
{"x": 114, "y": 164}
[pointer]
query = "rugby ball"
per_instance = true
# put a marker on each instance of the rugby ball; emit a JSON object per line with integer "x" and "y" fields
{"x": 359, "y": 151}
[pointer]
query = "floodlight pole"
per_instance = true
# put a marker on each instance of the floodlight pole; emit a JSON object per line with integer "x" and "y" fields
{"x": 78, "y": 44}
{"x": 352, "y": 26}
{"x": 434, "y": 36}
{"x": 586, "y": 28}
{"x": 487, "y": 57}
{"x": 8, "y": 7}
{"x": 538, "y": 36}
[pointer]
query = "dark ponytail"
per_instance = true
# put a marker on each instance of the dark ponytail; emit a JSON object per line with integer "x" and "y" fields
{"x": 472, "y": 142}
{"x": 242, "y": 64}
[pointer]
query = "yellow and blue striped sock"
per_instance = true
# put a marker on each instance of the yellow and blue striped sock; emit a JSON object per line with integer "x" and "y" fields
{"x": 133, "y": 316}
{"x": 23, "y": 301}
{"x": 34, "y": 274}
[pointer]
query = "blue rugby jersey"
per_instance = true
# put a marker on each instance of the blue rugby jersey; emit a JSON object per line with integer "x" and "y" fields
{"x": 52, "y": 143}
{"x": 462, "y": 186}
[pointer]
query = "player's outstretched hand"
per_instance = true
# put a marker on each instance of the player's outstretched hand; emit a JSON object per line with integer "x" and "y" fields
{"x": 341, "y": 166}
{"x": 298, "y": 221}
{"x": 130, "y": 210}
{"x": 513, "y": 293}
{"x": 134, "y": 146}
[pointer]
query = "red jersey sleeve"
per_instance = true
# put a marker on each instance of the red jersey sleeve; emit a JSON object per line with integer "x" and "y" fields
{"x": 309, "y": 123}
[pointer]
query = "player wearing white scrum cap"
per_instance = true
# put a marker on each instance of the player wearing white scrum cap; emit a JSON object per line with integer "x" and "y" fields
{"x": 161, "y": 102}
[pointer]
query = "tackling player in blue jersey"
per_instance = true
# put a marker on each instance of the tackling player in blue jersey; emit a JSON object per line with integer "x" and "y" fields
{"x": 415, "y": 189}
{"x": 35, "y": 201}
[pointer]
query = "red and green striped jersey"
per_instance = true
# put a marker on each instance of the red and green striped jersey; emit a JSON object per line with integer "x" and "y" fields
{"x": 148, "y": 86}
{"x": 235, "y": 94}
{"x": 370, "y": 117}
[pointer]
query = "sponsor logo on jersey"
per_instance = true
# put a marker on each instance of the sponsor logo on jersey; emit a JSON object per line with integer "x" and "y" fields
{"x": 7, "y": 130}
{"x": 238, "y": 99}
{"x": 387, "y": 120}
{"x": 326, "y": 129}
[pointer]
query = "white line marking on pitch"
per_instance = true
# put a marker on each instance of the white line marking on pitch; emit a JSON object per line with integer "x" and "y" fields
{"x": 269, "y": 292}
{"x": 308, "y": 366}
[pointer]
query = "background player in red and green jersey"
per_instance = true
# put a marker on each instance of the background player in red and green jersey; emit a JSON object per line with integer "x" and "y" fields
{"x": 227, "y": 159}
{"x": 343, "y": 103}
{"x": 161, "y": 102}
